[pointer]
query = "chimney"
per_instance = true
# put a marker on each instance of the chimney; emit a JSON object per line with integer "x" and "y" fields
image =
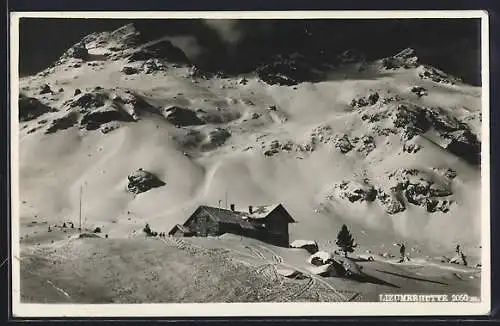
{"x": 250, "y": 209}
{"x": 232, "y": 207}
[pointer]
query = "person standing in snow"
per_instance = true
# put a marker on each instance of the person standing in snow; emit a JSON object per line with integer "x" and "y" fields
{"x": 402, "y": 251}
{"x": 459, "y": 258}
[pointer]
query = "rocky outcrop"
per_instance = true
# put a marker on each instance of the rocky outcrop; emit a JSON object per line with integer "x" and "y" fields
{"x": 31, "y": 108}
{"x": 411, "y": 119}
{"x": 141, "y": 180}
{"x": 181, "y": 116}
{"x": 45, "y": 89}
{"x": 457, "y": 137}
{"x": 446, "y": 172}
{"x": 109, "y": 127}
{"x": 362, "y": 101}
{"x": 405, "y": 187}
{"x": 356, "y": 191}
{"x": 124, "y": 37}
{"x": 390, "y": 202}
{"x": 94, "y": 119}
{"x": 101, "y": 106}
{"x": 152, "y": 65}
{"x": 343, "y": 144}
{"x": 160, "y": 50}
{"x": 65, "y": 122}
{"x": 464, "y": 144}
{"x": 128, "y": 70}
{"x": 405, "y": 59}
{"x": 420, "y": 190}
{"x": 197, "y": 72}
{"x": 364, "y": 144}
{"x": 411, "y": 147}
{"x": 276, "y": 146}
{"x": 77, "y": 51}
{"x": 215, "y": 138}
{"x": 90, "y": 100}
{"x": 418, "y": 90}
{"x": 288, "y": 71}
{"x": 436, "y": 75}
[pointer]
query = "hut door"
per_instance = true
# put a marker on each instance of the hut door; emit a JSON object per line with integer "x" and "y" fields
{"x": 203, "y": 226}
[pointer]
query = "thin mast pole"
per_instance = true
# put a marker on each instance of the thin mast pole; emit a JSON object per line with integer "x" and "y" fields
{"x": 80, "y": 215}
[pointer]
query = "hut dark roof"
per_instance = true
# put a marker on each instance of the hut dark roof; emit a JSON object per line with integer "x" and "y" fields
{"x": 244, "y": 219}
{"x": 229, "y": 217}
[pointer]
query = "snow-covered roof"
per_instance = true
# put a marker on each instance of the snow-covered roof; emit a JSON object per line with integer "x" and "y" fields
{"x": 262, "y": 211}
{"x": 303, "y": 243}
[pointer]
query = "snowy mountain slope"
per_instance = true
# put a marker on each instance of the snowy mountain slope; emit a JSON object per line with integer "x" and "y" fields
{"x": 361, "y": 146}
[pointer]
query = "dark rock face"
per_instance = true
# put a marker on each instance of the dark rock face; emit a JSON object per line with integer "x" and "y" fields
{"x": 161, "y": 50}
{"x": 152, "y": 65}
{"x": 45, "y": 89}
{"x": 366, "y": 144}
{"x": 93, "y": 120}
{"x": 140, "y": 181}
{"x": 412, "y": 120}
{"x": 89, "y": 100}
{"x": 216, "y": 138}
{"x": 31, "y": 108}
{"x": 406, "y": 187}
{"x": 101, "y": 106}
{"x": 287, "y": 71}
{"x": 461, "y": 140}
{"x": 419, "y": 190}
{"x": 181, "y": 116}
{"x": 355, "y": 192}
{"x": 371, "y": 99}
{"x": 109, "y": 127}
{"x": 363, "y": 145}
{"x": 437, "y": 76}
{"x": 65, "y": 122}
{"x": 391, "y": 203}
{"x": 127, "y": 70}
{"x": 77, "y": 51}
{"x": 419, "y": 91}
{"x": 465, "y": 144}
{"x": 410, "y": 147}
{"x": 343, "y": 144}
{"x": 197, "y": 72}
{"x": 405, "y": 59}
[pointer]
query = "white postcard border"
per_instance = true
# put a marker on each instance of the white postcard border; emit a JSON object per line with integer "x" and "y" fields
{"x": 252, "y": 309}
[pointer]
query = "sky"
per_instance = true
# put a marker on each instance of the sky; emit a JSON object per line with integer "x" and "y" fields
{"x": 453, "y": 45}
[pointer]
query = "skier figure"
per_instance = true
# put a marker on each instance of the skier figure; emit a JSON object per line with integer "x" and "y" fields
{"x": 459, "y": 258}
{"x": 402, "y": 252}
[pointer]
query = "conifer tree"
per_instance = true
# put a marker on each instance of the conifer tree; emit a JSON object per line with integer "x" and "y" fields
{"x": 345, "y": 240}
